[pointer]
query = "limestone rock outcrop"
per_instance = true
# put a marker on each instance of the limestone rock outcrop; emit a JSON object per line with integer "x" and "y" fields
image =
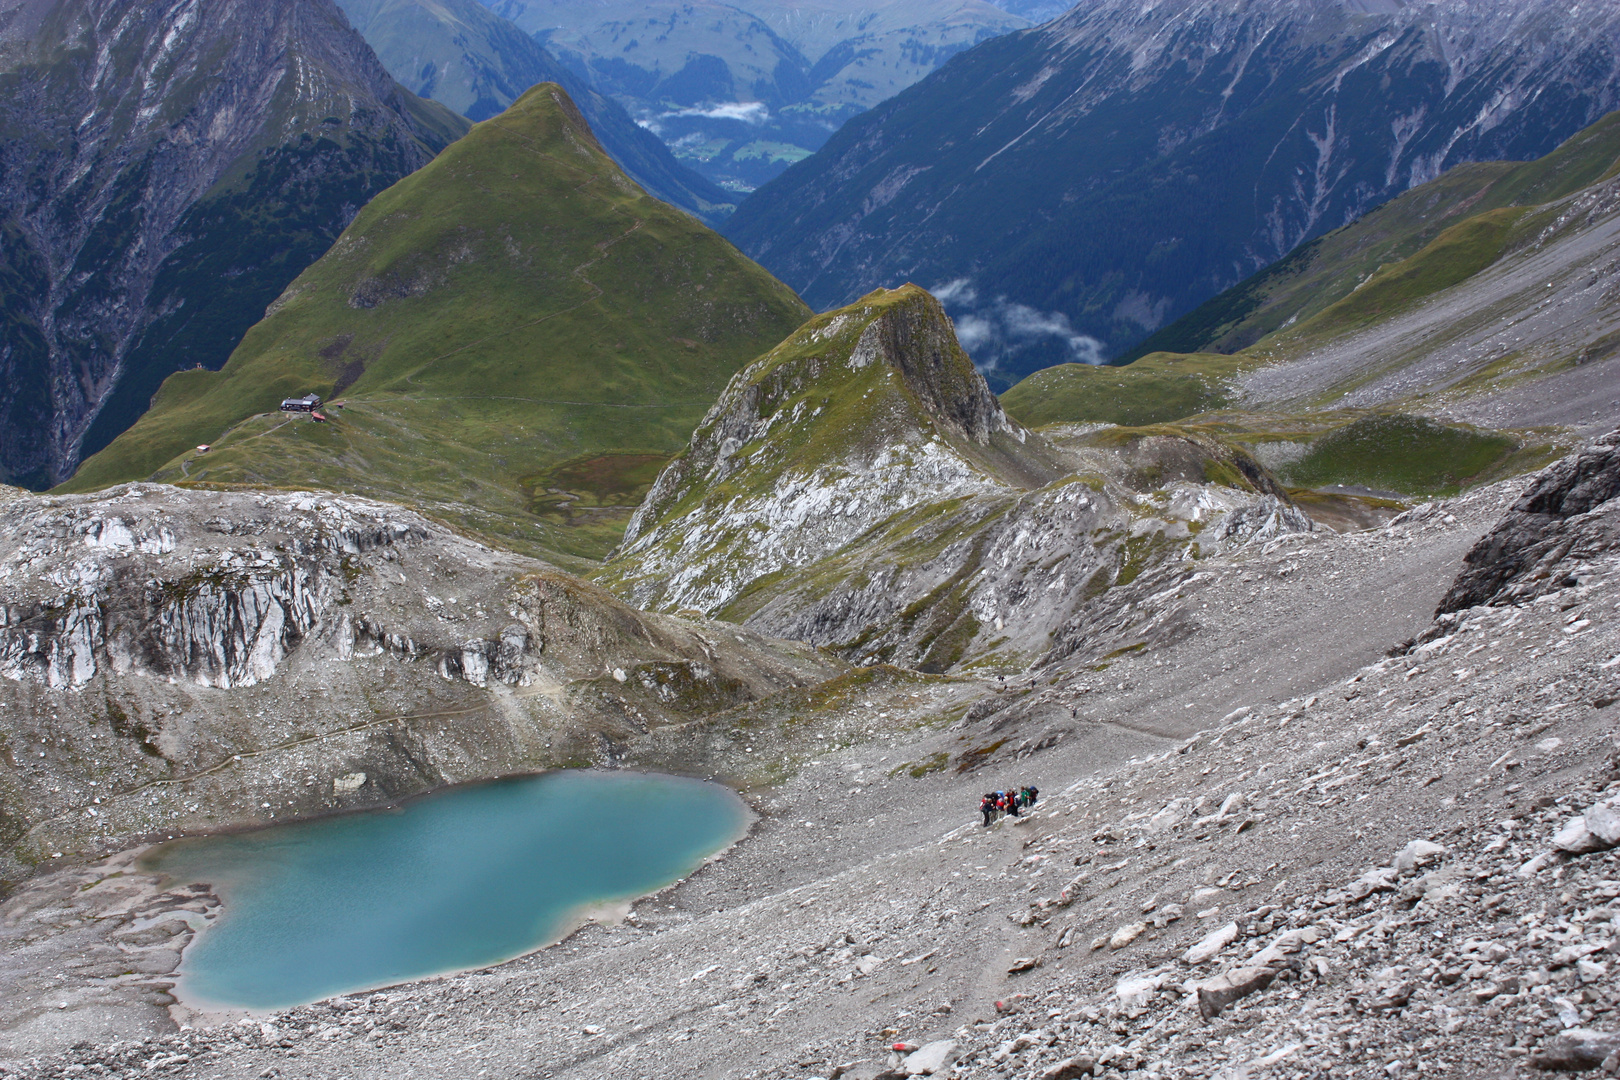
{"x": 1566, "y": 517}
{"x": 190, "y": 660}
{"x": 860, "y": 488}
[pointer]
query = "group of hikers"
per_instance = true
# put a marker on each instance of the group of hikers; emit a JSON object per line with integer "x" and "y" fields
{"x": 1011, "y": 802}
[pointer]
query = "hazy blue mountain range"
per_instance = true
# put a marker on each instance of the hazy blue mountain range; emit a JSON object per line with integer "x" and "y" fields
{"x": 461, "y": 54}
{"x": 166, "y": 169}
{"x": 1068, "y": 190}
{"x": 740, "y": 91}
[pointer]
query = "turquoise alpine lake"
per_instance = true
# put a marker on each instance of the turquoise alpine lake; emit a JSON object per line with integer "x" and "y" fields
{"x": 462, "y": 878}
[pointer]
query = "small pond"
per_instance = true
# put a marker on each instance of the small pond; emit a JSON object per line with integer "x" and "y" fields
{"x": 460, "y": 879}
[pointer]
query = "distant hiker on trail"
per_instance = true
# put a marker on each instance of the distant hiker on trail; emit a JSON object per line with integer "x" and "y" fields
{"x": 1010, "y": 801}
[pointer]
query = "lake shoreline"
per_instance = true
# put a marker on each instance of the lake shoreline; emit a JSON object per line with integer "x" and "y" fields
{"x": 490, "y": 866}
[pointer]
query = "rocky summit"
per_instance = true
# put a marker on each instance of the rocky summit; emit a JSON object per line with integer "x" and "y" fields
{"x": 859, "y": 487}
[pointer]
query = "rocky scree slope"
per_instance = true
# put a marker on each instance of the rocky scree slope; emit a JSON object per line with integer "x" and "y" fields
{"x": 1526, "y": 338}
{"x": 1145, "y": 157}
{"x": 1386, "y": 870}
{"x": 464, "y": 56}
{"x": 515, "y": 308}
{"x": 860, "y": 487}
{"x": 183, "y": 661}
{"x": 167, "y": 169}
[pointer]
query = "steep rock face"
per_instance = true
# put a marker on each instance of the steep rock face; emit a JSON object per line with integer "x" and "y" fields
{"x": 167, "y": 169}
{"x": 860, "y": 488}
{"x": 1564, "y": 519}
{"x": 192, "y": 659}
{"x": 466, "y": 57}
{"x": 1141, "y": 157}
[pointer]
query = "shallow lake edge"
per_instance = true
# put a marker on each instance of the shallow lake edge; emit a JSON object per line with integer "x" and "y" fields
{"x": 603, "y": 912}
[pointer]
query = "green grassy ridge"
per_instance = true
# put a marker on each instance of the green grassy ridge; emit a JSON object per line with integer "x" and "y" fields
{"x": 1408, "y": 455}
{"x": 515, "y": 304}
{"x": 1443, "y": 233}
{"x": 1154, "y": 390}
{"x": 1451, "y": 258}
{"x": 257, "y": 232}
{"x": 1331, "y": 268}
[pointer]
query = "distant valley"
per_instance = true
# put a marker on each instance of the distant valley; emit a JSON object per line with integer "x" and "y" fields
{"x": 464, "y": 56}
{"x": 741, "y": 91}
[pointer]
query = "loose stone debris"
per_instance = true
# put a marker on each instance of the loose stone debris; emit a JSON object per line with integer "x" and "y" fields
{"x": 1408, "y": 868}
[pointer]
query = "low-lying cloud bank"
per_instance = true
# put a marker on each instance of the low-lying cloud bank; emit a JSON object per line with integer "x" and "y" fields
{"x": 996, "y": 329}
{"x": 748, "y": 112}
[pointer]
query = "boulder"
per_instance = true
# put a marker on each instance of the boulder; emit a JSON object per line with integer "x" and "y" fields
{"x": 1521, "y": 557}
{"x": 1071, "y": 1069}
{"x": 1380, "y": 880}
{"x": 1576, "y": 1050}
{"x": 1416, "y": 853}
{"x": 1126, "y": 934}
{"x": 1211, "y": 944}
{"x": 348, "y": 782}
{"x": 1216, "y": 994}
{"x": 1137, "y": 990}
{"x": 1596, "y": 830}
{"x": 931, "y": 1058}
{"x": 1287, "y": 944}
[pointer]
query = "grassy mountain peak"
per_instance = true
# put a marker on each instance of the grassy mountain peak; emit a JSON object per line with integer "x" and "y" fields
{"x": 463, "y": 55}
{"x": 520, "y": 333}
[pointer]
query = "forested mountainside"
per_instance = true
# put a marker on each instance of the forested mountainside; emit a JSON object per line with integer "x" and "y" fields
{"x": 167, "y": 169}
{"x": 740, "y": 91}
{"x": 1070, "y": 189}
{"x": 462, "y": 55}
{"x": 521, "y": 337}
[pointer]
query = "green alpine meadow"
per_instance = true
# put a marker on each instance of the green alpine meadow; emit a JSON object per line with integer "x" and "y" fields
{"x": 519, "y": 336}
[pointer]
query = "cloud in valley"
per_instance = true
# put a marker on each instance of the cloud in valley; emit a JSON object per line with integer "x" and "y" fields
{"x": 749, "y": 112}
{"x": 996, "y": 329}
